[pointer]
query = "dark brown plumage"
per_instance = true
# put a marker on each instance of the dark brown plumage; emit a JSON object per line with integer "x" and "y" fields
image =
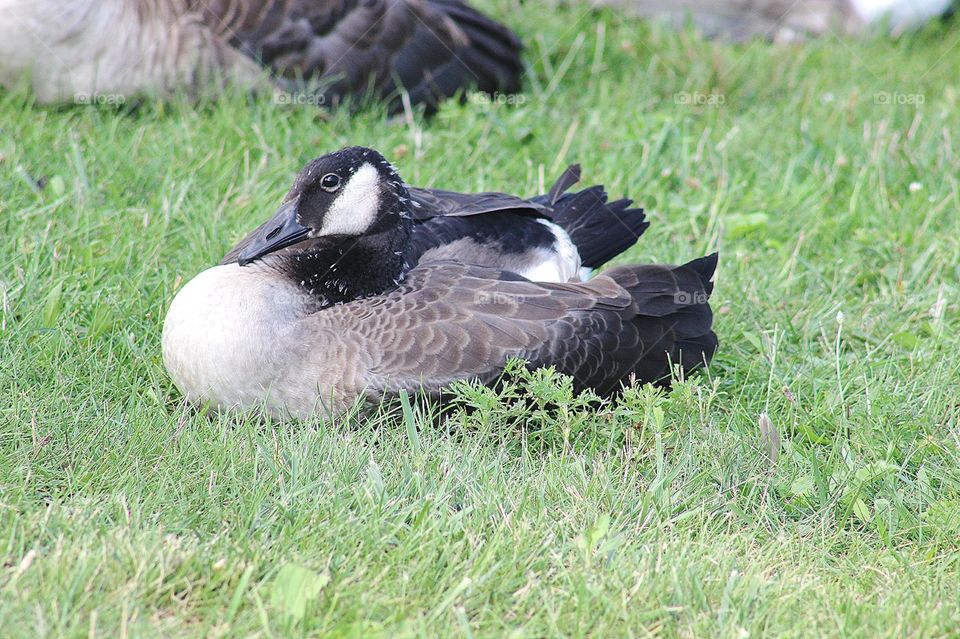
{"x": 453, "y": 321}
{"x": 328, "y": 49}
{"x": 432, "y": 48}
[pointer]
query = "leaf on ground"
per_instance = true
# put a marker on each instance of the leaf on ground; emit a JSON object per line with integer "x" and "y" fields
{"x": 862, "y": 511}
{"x": 907, "y": 340}
{"x": 57, "y": 185}
{"x": 771, "y": 438}
{"x": 740, "y": 224}
{"x": 294, "y": 587}
{"x": 802, "y": 487}
{"x": 52, "y": 306}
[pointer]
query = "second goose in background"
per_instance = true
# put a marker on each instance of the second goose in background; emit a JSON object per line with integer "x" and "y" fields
{"x": 432, "y": 48}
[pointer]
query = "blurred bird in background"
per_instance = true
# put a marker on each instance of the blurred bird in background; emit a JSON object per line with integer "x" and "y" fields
{"x": 786, "y": 20}
{"x": 324, "y": 49}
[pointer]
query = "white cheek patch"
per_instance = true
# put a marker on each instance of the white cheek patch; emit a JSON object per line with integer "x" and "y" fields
{"x": 356, "y": 207}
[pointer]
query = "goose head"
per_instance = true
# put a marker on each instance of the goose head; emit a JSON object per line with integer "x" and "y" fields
{"x": 342, "y": 229}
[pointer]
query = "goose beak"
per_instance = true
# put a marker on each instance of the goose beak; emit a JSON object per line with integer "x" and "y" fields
{"x": 280, "y": 231}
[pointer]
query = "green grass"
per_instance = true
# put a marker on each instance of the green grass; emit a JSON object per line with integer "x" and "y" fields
{"x": 123, "y": 513}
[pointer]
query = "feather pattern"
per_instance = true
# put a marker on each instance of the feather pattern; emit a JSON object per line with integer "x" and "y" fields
{"x": 452, "y": 321}
{"x": 333, "y": 48}
{"x": 598, "y": 228}
{"x": 244, "y": 337}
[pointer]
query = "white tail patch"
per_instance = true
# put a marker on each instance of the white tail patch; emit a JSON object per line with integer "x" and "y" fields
{"x": 561, "y": 263}
{"x": 356, "y": 207}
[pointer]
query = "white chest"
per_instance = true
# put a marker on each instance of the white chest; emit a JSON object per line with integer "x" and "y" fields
{"x": 232, "y": 338}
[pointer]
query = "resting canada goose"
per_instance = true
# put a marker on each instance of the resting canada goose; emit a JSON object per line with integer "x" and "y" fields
{"x": 322, "y": 307}
{"x": 786, "y": 20}
{"x": 432, "y": 48}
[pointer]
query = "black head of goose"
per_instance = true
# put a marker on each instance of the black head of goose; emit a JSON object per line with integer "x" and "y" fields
{"x": 323, "y": 305}
{"x": 93, "y": 48}
{"x": 343, "y": 229}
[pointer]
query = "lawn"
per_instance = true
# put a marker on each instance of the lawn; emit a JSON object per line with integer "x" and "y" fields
{"x": 827, "y": 177}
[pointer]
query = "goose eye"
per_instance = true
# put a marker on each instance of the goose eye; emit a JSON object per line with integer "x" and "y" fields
{"x": 330, "y": 182}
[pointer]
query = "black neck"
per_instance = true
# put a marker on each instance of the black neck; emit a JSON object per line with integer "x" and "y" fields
{"x": 341, "y": 270}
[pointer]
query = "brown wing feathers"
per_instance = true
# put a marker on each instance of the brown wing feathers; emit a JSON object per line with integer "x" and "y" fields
{"x": 451, "y": 321}
{"x": 432, "y": 48}
{"x": 489, "y": 60}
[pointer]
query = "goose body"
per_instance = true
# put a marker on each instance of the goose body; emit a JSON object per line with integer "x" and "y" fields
{"x": 83, "y": 49}
{"x": 322, "y": 307}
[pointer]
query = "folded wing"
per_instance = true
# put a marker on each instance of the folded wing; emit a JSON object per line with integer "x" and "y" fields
{"x": 450, "y": 321}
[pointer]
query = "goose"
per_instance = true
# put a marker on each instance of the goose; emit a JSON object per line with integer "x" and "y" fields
{"x": 322, "y": 308}
{"x": 75, "y": 50}
{"x": 786, "y": 20}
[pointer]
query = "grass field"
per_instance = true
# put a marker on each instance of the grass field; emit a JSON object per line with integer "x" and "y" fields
{"x": 827, "y": 176}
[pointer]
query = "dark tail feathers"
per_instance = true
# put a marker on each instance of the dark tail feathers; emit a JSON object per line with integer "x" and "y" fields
{"x": 601, "y": 230}
{"x": 695, "y": 340}
{"x": 673, "y": 314}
